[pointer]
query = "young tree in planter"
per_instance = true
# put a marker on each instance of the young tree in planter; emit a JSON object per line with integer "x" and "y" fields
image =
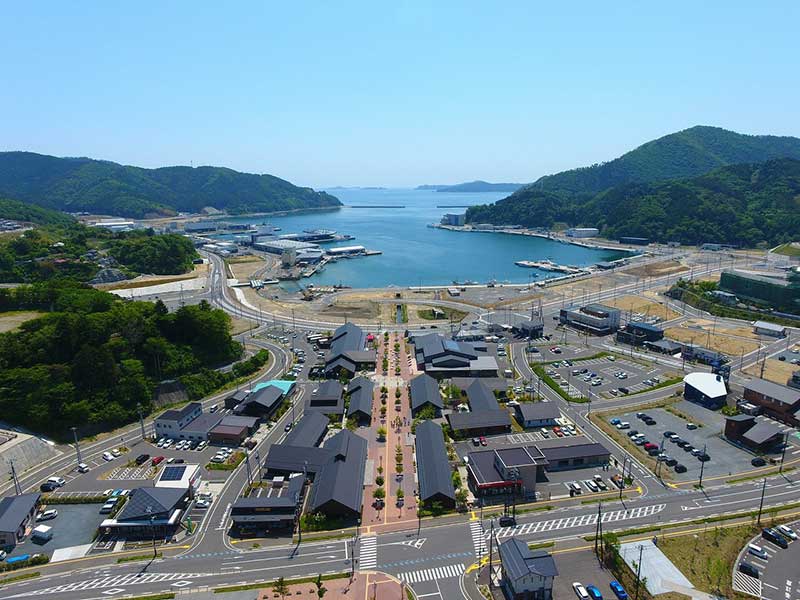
{"x": 280, "y": 587}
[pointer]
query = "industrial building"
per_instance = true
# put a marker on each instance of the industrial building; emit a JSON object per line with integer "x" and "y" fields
{"x": 346, "y": 251}
{"x": 279, "y": 246}
{"x": 706, "y": 389}
{"x": 433, "y": 467}
{"x": 441, "y": 357}
{"x": 17, "y": 514}
{"x": 780, "y": 291}
{"x": 582, "y": 232}
{"x": 526, "y": 574}
{"x": 454, "y": 219}
{"x": 636, "y": 333}
{"x": 424, "y": 391}
{"x": 593, "y": 318}
{"x": 758, "y": 436}
{"x": 777, "y": 401}
{"x": 170, "y": 422}
{"x": 349, "y": 352}
{"x": 530, "y": 329}
{"x": 770, "y": 329}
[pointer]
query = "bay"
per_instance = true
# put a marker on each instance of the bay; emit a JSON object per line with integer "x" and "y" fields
{"x": 415, "y": 254}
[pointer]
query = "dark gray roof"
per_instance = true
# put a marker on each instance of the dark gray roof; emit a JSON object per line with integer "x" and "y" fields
{"x": 239, "y": 395}
{"x": 238, "y": 421}
{"x": 493, "y": 383}
{"x": 520, "y": 561}
{"x": 779, "y": 393}
{"x": 761, "y": 432}
{"x": 328, "y": 391}
{"x": 286, "y": 497}
{"x": 592, "y": 450}
{"x": 740, "y": 418}
{"x": 160, "y": 500}
{"x": 476, "y": 420}
{"x": 424, "y": 389}
{"x": 203, "y": 423}
{"x": 433, "y": 468}
{"x": 178, "y": 414}
{"x": 481, "y": 397}
{"x": 360, "y": 390}
{"x": 14, "y": 509}
{"x": 535, "y": 411}
{"x": 341, "y": 479}
{"x": 308, "y": 430}
{"x": 295, "y": 459}
{"x": 346, "y": 338}
{"x": 266, "y": 400}
{"x": 668, "y": 345}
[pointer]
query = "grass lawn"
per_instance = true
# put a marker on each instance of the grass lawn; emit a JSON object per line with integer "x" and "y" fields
{"x": 707, "y": 559}
{"x": 790, "y": 249}
{"x": 450, "y": 314}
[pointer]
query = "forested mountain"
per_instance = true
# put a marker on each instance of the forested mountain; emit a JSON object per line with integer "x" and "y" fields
{"x": 739, "y": 204}
{"x": 103, "y": 187}
{"x": 474, "y": 187}
{"x": 30, "y": 213}
{"x": 679, "y": 155}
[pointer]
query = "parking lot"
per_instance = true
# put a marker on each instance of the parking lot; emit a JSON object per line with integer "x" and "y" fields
{"x": 75, "y": 525}
{"x": 725, "y": 459}
{"x": 582, "y": 567}
{"x": 606, "y": 378}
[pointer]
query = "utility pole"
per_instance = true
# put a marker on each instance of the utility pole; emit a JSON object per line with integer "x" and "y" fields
{"x": 17, "y": 488}
{"x": 600, "y": 528}
{"x": 247, "y": 467}
{"x": 702, "y": 467}
{"x": 761, "y": 502}
{"x": 783, "y": 454}
{"x": 77, "y": 447}
{"x": 491, "y": 540}
{"x": 141, "y": 419}
{"x": 638, "y": 572}
{"x": 258, "y": 466}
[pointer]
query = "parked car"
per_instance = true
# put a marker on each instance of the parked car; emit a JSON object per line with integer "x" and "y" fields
{"x": 476, "y": 441}
{"x": 483, "y": 441}
{"x": 507, "y": 521}
{"x": 773, "y": 536}
{"x": 618, "y": 590}
{"x": 580, "y": 591}
{"x": 748, "y": 569}
{"x": 758, "y": 462}
{"x": 669, "y": 434}
{"x": 142, "y": 458}
{"x": 591, "y": 485}
{"x": 108, "y": 456}
{"x": 157, "y": 461}
{"x": 83, "y": 468}
{"x": 288, "y": 427}
{"x": 633, "y": 433}
{"x": 594, "y": 593}
{"x": 47, "y": 515}
{"x": 58, "y": 481}
{"x": 116, "y": 453}
{"x": 615, "y": 421}
{"x": 679, "y": 468}
{"x": 758, "y": 551}
{"x": 202, "y": 503}
{"x": 786, "y": 531}
{"x": 691, "y": 426}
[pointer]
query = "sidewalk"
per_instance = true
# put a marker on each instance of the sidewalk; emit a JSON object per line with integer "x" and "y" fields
{"x": 364, "y": 586}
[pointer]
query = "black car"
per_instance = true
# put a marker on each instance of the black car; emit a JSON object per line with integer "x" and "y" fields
{"x": 288, "y": 427}
{"x": 671, "y": 462}
{"x": 142, "y": 458}
{"x": 650, "y": 421}
{"x": 680, "y": 443}
{"x": 48, "y": 486}
{"x": 507, "y": 521}
{"x": 654, "y": 451}
{"x": 679, "y": 468}
{"x": 633, "y": 432}
{"x": 748, "y": 569}
{"x": 641, "y": 415}
{"x": 688, "y": 448}
{"x": 178, "y": 461}
{"x": 703, "y": 457}
{"x": 668, "y": 433}
{"x": 758, "y": 462}
{"x": 776, "y": 538}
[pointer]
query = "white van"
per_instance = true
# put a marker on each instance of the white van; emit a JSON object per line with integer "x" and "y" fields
{"x": 59, "y": 481}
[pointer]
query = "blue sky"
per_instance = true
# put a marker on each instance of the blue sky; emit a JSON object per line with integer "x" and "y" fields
{"x": 397, "y": 94}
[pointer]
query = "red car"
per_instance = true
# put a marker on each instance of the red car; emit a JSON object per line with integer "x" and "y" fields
{"x": 483, "y": 441}
{"x": 157, "y": 460}
{"x": 650, "y": 446}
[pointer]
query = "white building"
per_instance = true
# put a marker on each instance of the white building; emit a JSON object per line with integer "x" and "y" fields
{"x": 765, "y": 328}
{"x": 582, "y": 232}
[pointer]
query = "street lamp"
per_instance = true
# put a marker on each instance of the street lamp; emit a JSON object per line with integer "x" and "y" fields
{"x": 149, "y": 511}
{"x": 77, "y": 447}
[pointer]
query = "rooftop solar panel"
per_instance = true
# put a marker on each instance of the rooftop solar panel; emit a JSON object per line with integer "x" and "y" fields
{"x": 173, "y": 473}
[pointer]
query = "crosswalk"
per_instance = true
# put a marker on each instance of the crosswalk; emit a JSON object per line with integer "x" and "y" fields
{"x": 478, "y": 538}
{"x": 432, "y": 574}
{"x": 746, "y": 584}
{"x": 579, "y": 521}
{"x": 368, "y": 553}
{"x": 116, "y": 582}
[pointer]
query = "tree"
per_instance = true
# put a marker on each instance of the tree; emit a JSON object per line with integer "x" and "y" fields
{"x": 381, "y": 433}
{"x": 379, "y": 493}
{"x": 280, "y": 587}
{"x": 321, "y": 591}
{"x": 461, "y": 496}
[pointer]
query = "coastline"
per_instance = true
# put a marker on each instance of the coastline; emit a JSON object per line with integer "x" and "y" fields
{"x": 529, "y": 233}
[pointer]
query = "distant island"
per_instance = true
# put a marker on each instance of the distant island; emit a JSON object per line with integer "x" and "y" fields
{"x": 473, "y": 187}
{"x": 107, "y": 188}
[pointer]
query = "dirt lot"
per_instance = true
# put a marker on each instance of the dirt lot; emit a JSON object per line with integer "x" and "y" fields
{"x": 727, "y": 344}
{"x": 242, "y": 267}
{"x": 774, "y": 370}
{"x": 667, "y": 267}
{"x": 148, "y": 280}
{"x": 10, "y": 321}
{"x": 637, "y": 304}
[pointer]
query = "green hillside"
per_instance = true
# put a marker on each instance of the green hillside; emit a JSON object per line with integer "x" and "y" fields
{"x": 30, "y": 213}
{"x": 683, "y": 154}
{"x": 82, "y": 184}
{"x": 739, "y": 204}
